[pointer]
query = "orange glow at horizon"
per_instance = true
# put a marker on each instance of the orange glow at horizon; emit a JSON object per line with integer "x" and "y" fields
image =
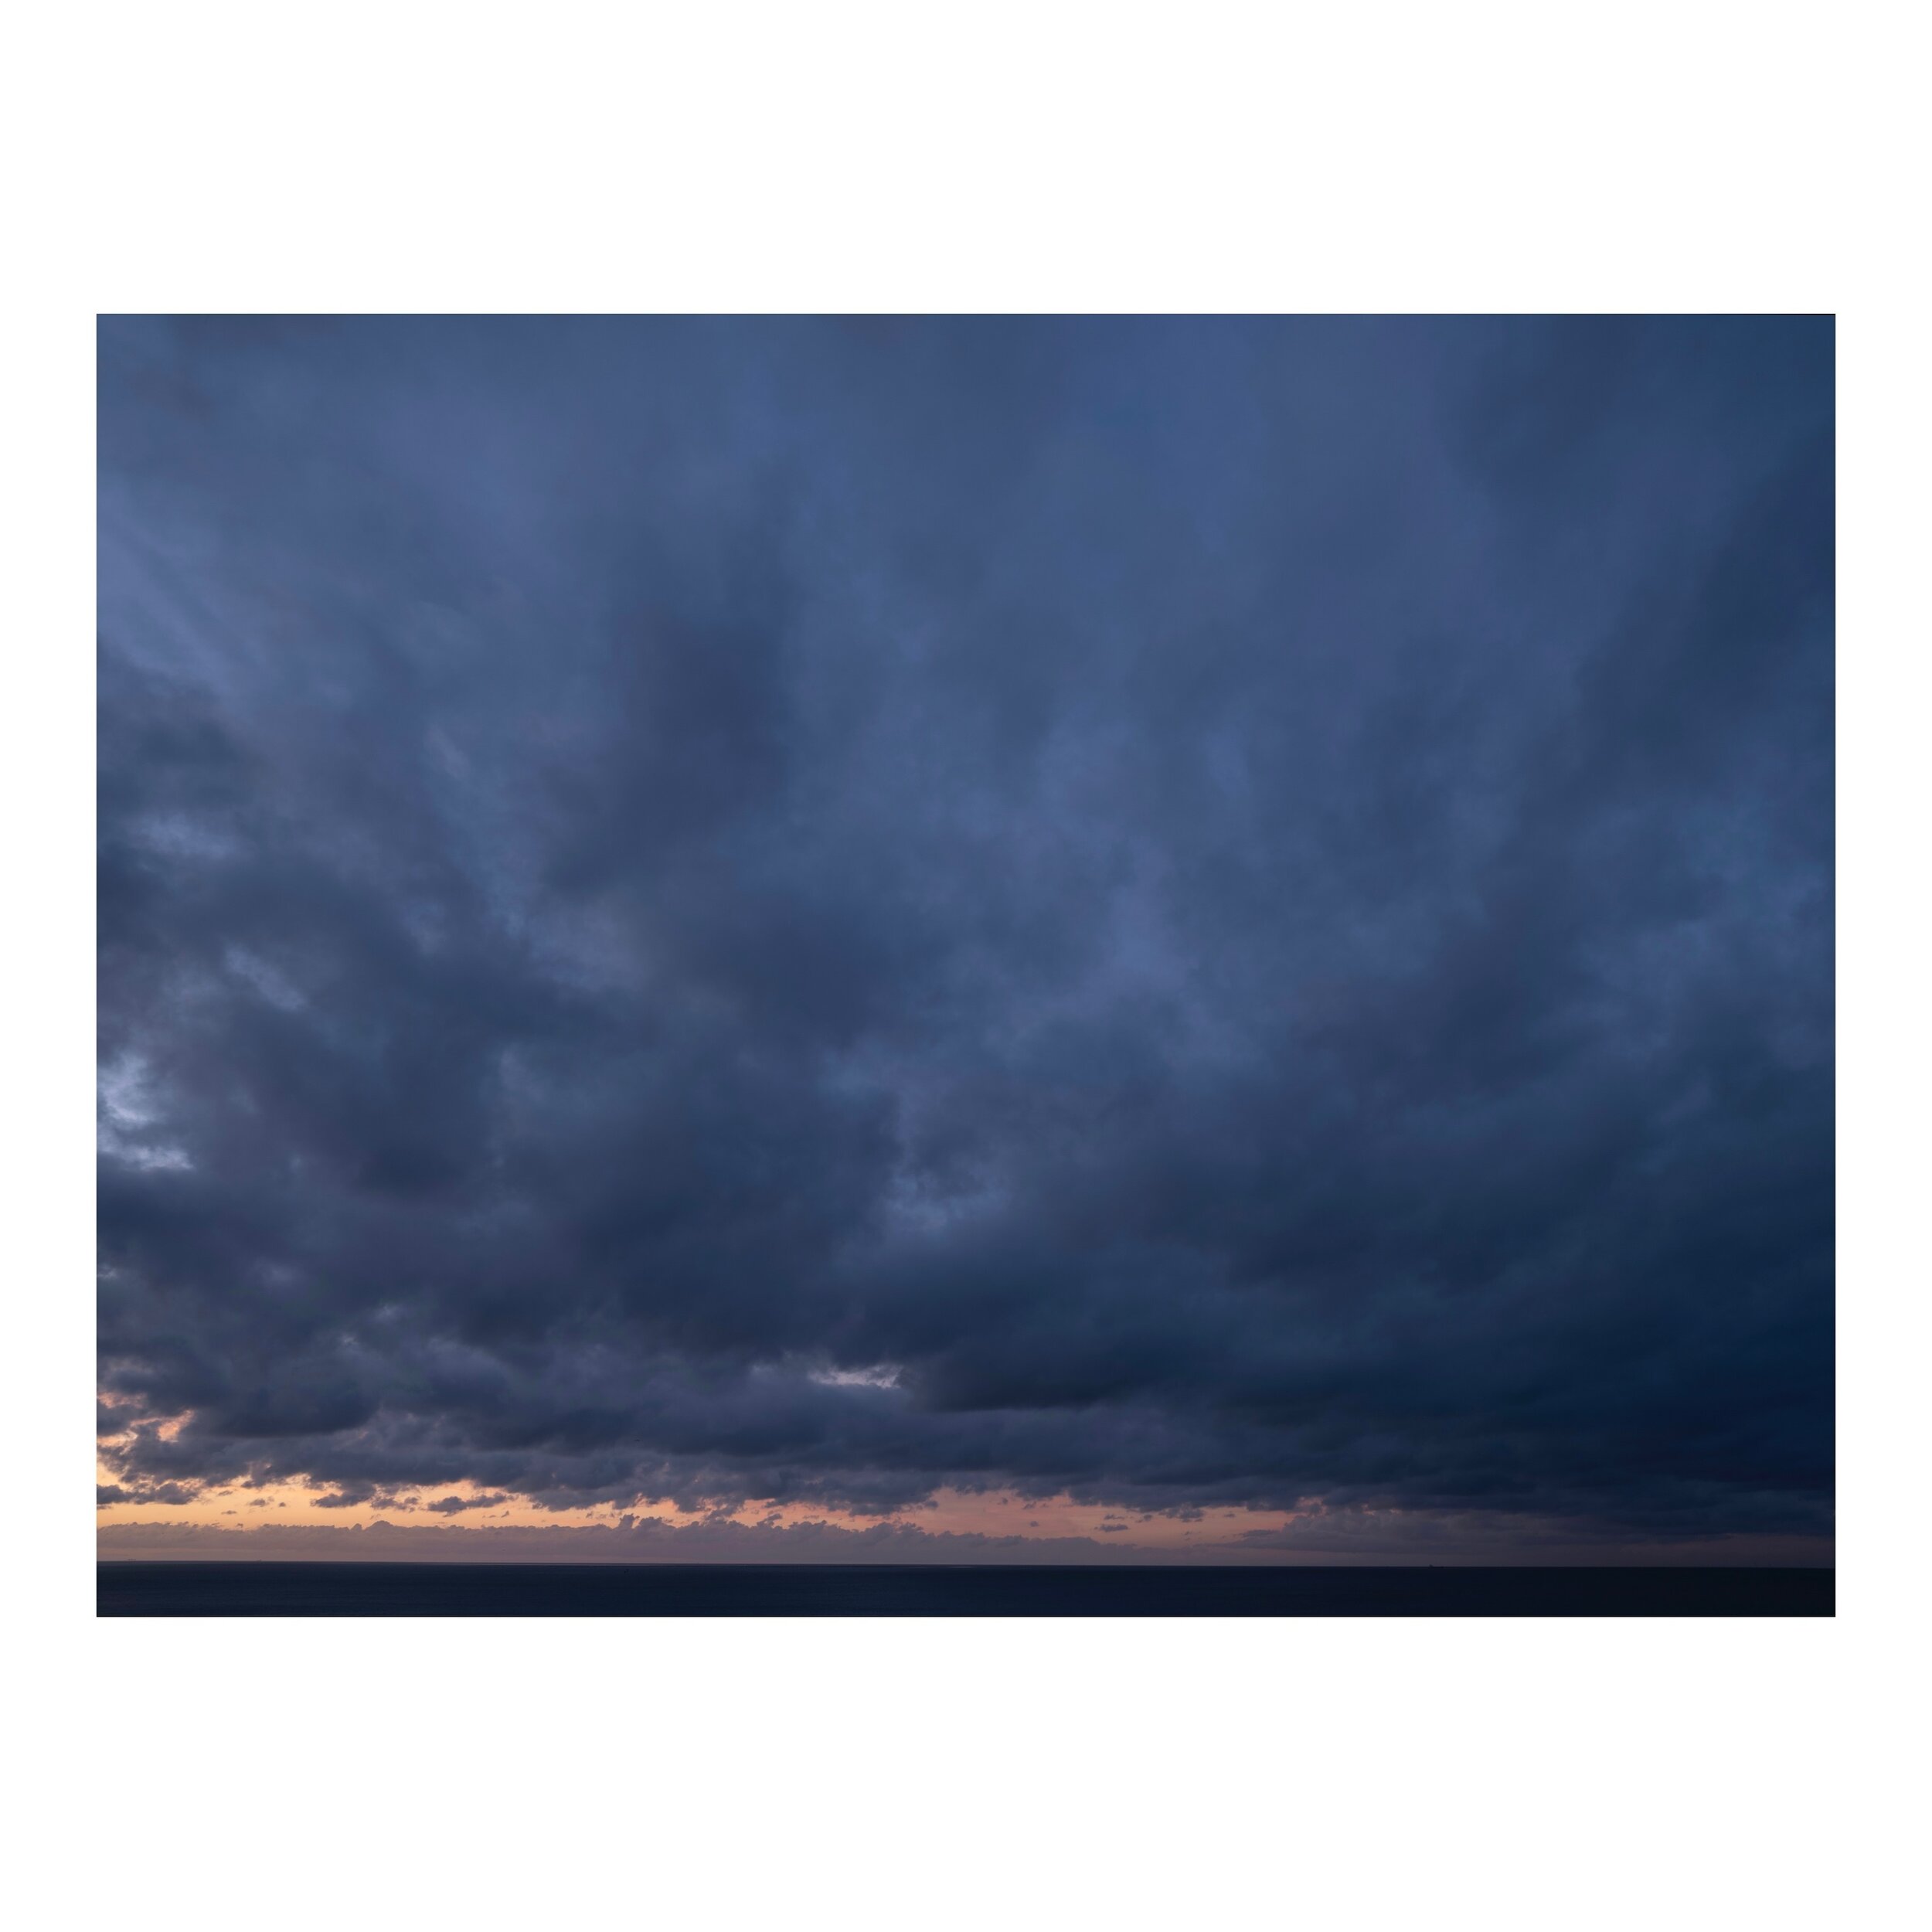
{"x": 241, "y": 1505}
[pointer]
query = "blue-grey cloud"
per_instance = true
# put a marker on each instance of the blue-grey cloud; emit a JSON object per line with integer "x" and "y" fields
{"x": 1184, "y": 911}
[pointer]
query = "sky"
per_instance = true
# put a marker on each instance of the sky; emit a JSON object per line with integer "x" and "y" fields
{"x": 1103, "y": 939}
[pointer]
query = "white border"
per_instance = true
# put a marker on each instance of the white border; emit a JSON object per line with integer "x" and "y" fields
{"x": 407, "y": 155}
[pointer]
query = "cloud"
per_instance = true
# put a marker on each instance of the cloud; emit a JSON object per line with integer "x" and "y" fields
{"x": 1180, "y": 913}
{"x": 171, "y": 1494}
{"x": 1341, "y": 1536}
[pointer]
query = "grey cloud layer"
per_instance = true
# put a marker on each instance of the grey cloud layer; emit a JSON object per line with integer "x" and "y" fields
{"x": 1186, "y": 912}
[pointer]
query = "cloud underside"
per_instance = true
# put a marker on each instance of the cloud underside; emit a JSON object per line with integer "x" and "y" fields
{"x": 1170, "y": 914}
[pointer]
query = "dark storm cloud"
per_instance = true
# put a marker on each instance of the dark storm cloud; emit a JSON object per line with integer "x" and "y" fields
{"x": 1190, "y": 913}
{"x": 159, "y": 1492}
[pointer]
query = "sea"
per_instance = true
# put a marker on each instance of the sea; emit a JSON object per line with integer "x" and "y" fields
{"x": 158, "y": 1588}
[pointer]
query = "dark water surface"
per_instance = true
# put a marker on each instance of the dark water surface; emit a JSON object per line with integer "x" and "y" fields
{"x": 162, "y": 1589}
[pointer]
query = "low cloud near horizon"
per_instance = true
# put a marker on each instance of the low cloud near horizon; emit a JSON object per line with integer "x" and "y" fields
{"x": 1353, "y": 1539}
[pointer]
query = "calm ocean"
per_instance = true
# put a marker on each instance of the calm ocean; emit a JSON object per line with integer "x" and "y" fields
{"x": 164, "y": 1589}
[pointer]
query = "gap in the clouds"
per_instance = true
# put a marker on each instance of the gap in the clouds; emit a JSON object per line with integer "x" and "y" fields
{"x": 884, "y": 1375}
